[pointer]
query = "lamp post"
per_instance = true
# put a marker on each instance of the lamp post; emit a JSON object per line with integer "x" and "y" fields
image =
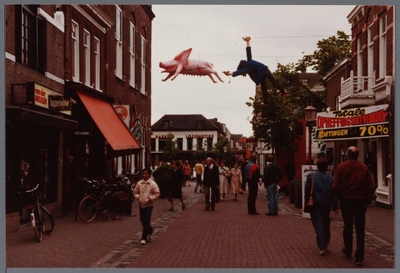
{"x": 310, "y": 113}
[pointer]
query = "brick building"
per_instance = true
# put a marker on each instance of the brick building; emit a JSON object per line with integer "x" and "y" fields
{"x": 77, "y": 77}
{"x": 361, "y": 88}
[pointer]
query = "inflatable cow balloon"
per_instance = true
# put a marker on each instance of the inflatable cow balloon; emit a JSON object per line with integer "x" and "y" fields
{"x": 182, "y": 65}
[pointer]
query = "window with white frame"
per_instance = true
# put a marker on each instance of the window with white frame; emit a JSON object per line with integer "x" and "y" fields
{"x": 132, "y": 28}
{"x": 96, "y": 48}
{"x": 86, "y": 52}
{"x": 143, "y": 65}
{"x": 370, "y": 50}
{"x": 382, "y": 46}
{"x": 75, "y": 51}
{"x": 359, "y": 57}
{"x": 118, "y": 37}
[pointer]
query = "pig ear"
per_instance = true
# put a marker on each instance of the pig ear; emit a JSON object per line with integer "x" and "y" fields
{"x": 183, "y": 56}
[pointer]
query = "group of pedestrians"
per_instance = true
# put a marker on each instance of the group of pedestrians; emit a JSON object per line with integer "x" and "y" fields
{"x": 353, "y": 187}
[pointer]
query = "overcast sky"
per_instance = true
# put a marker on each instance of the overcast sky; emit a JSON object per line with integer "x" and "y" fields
{"x": 280, "y": 34}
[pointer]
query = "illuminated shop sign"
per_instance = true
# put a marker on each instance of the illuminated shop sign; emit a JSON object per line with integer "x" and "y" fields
{"x": 41, "y": 96}
{"x": 363, "y": 122}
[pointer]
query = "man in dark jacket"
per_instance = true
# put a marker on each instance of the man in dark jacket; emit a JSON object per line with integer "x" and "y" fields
{"x": 272, "y": 176}
{"x": 210, "y": 183}
{"x": 252, "y": 176}
{"x": 354, "y": 187}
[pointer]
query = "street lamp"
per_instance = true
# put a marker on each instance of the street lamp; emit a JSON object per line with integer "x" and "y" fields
{"x": 310, "y": 113}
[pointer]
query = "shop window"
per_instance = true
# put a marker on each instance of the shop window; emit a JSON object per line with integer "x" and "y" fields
{"x": 190, "y": 144}
{"x": 199, "y": 143}
{"x": 209, "y": 144}
{"x": 180, "y": 143}
{"x": 30, "y": 38}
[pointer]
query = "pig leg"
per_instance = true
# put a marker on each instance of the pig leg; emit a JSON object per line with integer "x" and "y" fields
{"x": 177, "y": 71}
{"x": 169, "y": 76}
{"x": 211, "y": 77}
{"x": 216, "y": 74}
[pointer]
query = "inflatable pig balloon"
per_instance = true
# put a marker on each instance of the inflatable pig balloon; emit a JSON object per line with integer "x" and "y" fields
{"x": 182, "y": 65}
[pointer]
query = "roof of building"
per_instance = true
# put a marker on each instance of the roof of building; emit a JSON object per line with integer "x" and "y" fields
{"x": 195, "y": 122}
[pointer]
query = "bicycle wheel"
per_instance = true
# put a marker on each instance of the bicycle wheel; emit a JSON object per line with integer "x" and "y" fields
{"x": 47, "y": 220}
{"x": 37, "y": 226}
{"x": 116, "y": 207}
{"x": 88, "y": 209}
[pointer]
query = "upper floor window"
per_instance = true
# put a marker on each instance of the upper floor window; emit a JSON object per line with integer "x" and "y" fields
{"x": 199, "y": 124}
{"x": 143, "y": 65}
{"x": 165, "y": 124}
{"x": 30, "y": 38}
{"x": 132, "y": 53}
{"x": 382, "y": 46}
{"x": 370, "y": 40}
{"x": 86, "y": 52}
{"x": 359, "y": 57}
{"x": 96, "y": 51}
{"x": 75, "y": 50}
{"x": 118, "y": 37}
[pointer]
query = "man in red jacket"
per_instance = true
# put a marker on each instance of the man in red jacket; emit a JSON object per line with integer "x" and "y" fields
{"x": 354, "y": 187}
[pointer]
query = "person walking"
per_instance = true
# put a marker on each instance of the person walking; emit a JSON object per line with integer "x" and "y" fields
{"x": 354, "y": 187}
{"x": 176, "y": 185}
{"x": 187, "y": 173}
{"x": 199, "y": 169}
{"x": 210, "y": 184}
{"x": 146, "y": 191}
{"x": 323, "y": 199}
{"x": 252, "y": 177}
{"x": 236, "y": 181}
{"x": 272, "y": 176}
{"x": 257, "y": 71}
{"x": 223, "y": 179}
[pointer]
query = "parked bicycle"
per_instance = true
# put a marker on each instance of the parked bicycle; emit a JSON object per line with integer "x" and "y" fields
{"x": 102, "y": 198}
{"x": 41, "y": 219}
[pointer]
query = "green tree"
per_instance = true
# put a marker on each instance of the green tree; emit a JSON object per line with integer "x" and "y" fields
{"x": 170, "y": 148}
{"x": 330, "y": 52}
{"x": 219, "y": 151}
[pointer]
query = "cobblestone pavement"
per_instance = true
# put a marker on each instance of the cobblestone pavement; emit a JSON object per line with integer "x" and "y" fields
{"x": 177, "y": 247}
{"x": 225, "y": 238}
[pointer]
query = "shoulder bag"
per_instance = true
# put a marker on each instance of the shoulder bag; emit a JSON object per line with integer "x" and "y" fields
{"x": 309, "y": 204}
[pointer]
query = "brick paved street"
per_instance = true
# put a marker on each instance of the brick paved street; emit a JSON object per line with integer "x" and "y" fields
{"x": 225, "y": 238}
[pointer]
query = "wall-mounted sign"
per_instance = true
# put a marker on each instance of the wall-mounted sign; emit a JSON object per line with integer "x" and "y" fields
{"x": 44, "y": 97}
{"x": 363, "y": 122}
{"x": 123, "y": 112}
{"x": 199, "y": 136}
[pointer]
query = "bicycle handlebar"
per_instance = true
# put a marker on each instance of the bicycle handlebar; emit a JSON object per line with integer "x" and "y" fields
{"x": 34, "y": 189}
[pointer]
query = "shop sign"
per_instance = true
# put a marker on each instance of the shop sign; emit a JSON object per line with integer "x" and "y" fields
{"x": 363, "y": 122}
{"x": 123, "y": 112}
{"x": 46, "y": 98}
{"x": 161, "y": 136}
{"x": 199, "y": 136}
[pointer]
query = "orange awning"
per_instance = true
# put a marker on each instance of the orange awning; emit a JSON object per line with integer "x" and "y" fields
{"x": 110, "y": 124}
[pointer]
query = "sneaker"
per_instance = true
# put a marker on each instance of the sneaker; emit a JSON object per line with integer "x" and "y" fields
{"x": 321, "y": 252}
{"x": 358, "y": 262}
{"x": 143, "y": 242}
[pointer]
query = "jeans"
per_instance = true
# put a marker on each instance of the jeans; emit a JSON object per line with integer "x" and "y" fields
{"x": 145, "y": 217}
{"x": 320, "y": 217}
{"x": 272, "y": 195}
{"x": 354, "y": 209}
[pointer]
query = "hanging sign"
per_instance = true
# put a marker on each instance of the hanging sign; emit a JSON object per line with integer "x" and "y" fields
{"x": 363, "y": 122}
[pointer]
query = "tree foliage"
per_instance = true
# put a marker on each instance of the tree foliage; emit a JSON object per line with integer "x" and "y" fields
{"x": 171, "y": 147}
